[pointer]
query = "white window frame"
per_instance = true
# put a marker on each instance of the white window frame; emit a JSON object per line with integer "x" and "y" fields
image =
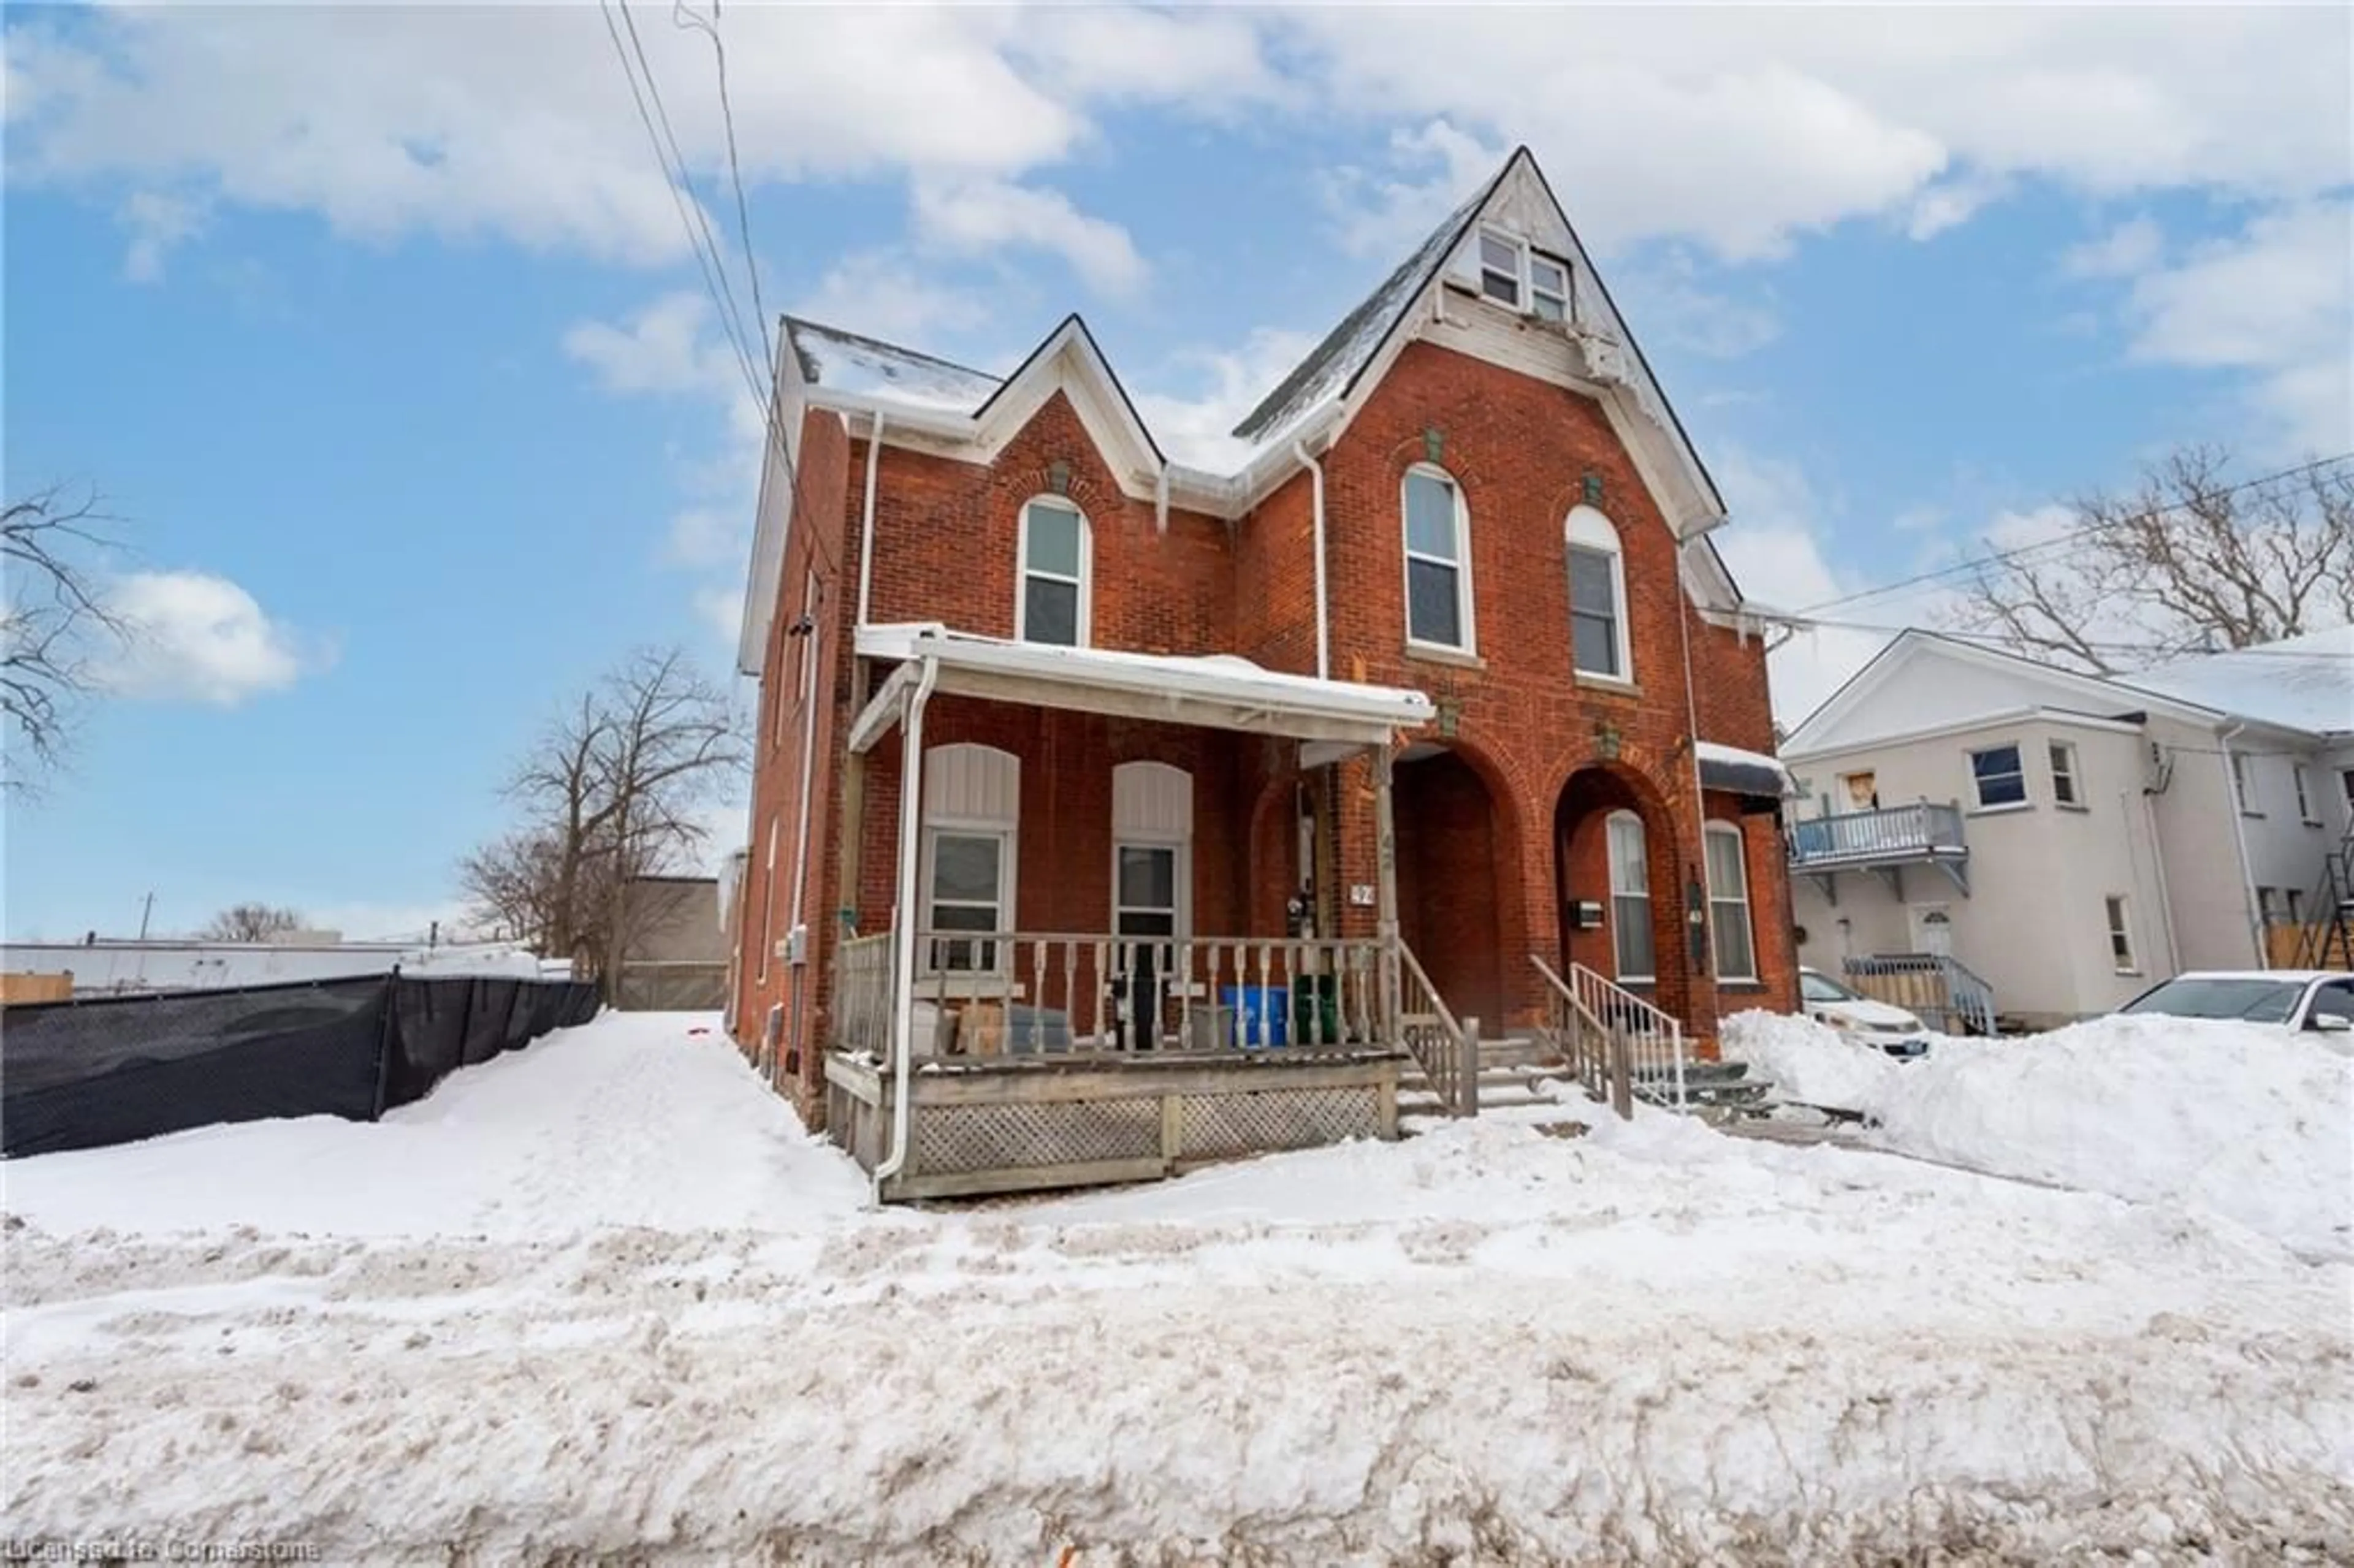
{"x": 1723, "y": 832}
{"x": 1593, "y": 532}
{"x": 1621, "y": 892}
{"x": 2243, "y": 784}
{"x": 2062, "y": 755}
{"x": 768, "y": 906}
{"x": 1539, "y": 292}
{"x": 1461, "y": 565}
{"x": 2304, "y": 778}
{"x": 1978, "y": 785}
{"x": 1521, "y": 275}
{"x": 2116, "y": 912}
{"x": 1084, "y": 622}
{"x": 1005, "y": 838}
{"x": 1518, "y": 274}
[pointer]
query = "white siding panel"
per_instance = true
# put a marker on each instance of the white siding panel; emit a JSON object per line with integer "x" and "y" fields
{"x": 1151, "y": 799}
{"x": 969, "y": 783}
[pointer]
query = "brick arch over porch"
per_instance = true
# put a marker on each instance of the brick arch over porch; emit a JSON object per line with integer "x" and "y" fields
{"x": 1461, "y": 835}
{"x": 1589, "y": 797}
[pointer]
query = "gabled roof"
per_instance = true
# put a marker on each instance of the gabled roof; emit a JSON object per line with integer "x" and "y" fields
{"x": 2052, "y": 686}
{"x": 1333, "y": 366}
{"x": 865, "y": 366}
{"x": 2300, "y": 683}
{"x": 933, "y": 403}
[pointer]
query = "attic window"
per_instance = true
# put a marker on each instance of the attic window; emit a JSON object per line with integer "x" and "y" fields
{"x": 1501, "y": 262}
{"x": 1548, "y": 289}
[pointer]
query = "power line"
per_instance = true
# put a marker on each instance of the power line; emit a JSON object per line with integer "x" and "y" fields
{"x": 1995, "y": 557}
{"x": 683, "y": 18}
{"x": 689, "y": 212}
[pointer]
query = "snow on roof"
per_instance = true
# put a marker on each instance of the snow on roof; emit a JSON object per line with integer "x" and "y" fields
{"x": 1325, "y": 374}
{"x": 2302, "y": 683}
{"x": 1218, "y": 677}
{"x": 865, "y": 366}
{"x": 1738, "y": 768}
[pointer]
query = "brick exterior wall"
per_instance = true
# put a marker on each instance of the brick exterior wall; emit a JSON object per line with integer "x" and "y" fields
{"x": 1493, "y": 835}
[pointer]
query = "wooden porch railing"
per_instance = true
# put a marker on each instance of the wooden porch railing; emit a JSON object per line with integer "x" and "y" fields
{"x": 1922, "y": 829}
{"x": 1595, "y": 1053}
{"x": 1075, "y": 995}
{"x": 1936, "y": 986}
{"x": 862, "y": 993}
{"x": 1447, "y": 1050}
{"x": 1637, "y": 1048}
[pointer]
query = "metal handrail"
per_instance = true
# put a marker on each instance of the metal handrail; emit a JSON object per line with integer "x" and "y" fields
{"x": 1451, "y": 1060}
{"x": 1596, "y": 1055}
{"x": 1655, "y": 1037}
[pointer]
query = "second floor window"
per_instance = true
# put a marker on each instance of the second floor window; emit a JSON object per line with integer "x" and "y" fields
{"x": 1998, "y": 777}
{"x": 1438, "y": 561}
{"x": 1056, "y": 567}
{"x": 2063, "y": 774}
{"x": 2303, "y": 794}
{"x": 1597, "y": 596}
{"x": 2244, "y": 783}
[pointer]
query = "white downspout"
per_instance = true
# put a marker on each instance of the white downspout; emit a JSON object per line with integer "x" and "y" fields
{"x": 794, "y": 929}
{"x": 866, "y": 521}
{"x": 903, "y": 920}
{"x": 2252, "y": 908}
{"x": 1700, "y": 806}
{"x": 2157, "y": 870}
{"x": 1323, "y": 613}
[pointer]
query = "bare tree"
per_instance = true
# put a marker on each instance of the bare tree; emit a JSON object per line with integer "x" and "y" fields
{"x": 250, "y": 922}
{"x": 2189, "y": 562}
{"x": 609, "y": 793}
{"x": 54, "y": 620}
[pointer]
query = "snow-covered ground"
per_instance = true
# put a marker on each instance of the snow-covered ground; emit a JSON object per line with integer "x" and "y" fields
{"x": 603, "y": 1297}
{"x": 2237, "y": 1119}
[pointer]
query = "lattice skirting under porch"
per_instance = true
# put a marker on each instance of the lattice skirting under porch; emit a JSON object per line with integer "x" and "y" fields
{"x": 1003, "y": 1132}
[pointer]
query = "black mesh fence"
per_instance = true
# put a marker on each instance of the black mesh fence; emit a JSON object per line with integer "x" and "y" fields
{"x": 77, "y": 1075}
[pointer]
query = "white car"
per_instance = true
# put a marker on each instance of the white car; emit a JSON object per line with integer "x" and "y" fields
{"x": 2320, "y": 1001}
{"x": 1862, "y": 1020}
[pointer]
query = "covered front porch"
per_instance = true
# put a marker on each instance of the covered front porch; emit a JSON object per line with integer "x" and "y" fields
{"x": 1098, "y": 964}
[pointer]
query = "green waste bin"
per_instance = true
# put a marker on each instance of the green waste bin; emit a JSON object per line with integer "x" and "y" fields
{"x": 1316, "y": 1009}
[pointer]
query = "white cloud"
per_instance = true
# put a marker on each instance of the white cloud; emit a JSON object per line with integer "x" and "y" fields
{"x": 881, "y": 294}
{"x": 977, "y": 217}
{"x": 1951, "y": 203}
{"x": 200, "y": 638}
{"x": 158, "y": 224}
{"x": 2275, "y": 303}
{"x": 663, "y": 348}
{"x": 1384, "y": 216}
{"x": 1191, "y": 426}
{"x": 1743, "y": 127}
{"x": 2132, "y": 248}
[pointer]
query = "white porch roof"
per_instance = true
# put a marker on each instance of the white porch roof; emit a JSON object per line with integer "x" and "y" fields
{"x": 1216, "y": 692}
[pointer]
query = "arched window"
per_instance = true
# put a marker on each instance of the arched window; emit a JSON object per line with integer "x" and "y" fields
{"x": 1598, "y": 598}
{"x": 1438, "y": 561}
{"x": 1728, "y": 904}
{"x": 1056, "y": 572}
{"x": 1630, "y": 898}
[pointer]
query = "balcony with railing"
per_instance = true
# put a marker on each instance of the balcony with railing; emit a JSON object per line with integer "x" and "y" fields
{"x": 1886, "y": 840}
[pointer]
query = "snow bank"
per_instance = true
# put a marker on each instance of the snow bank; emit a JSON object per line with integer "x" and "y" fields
{"x": 2251, "y": 1123}
{"x": 687, "y": 1342}
{"x": 633, "y": 1120}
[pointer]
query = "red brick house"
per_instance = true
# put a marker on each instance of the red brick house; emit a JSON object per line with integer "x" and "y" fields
{"x": 1438, "y": 704}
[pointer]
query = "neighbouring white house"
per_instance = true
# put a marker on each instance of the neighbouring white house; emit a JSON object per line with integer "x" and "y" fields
{"x": 2069, "y": 840}
{"x": 109, "y": 967}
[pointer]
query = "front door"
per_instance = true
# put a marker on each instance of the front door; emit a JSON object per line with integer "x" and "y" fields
{"x": 1933, "y": 929}
{"x": 1145, "y": 882}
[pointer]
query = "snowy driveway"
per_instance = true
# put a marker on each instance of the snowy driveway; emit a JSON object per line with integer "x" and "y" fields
{"x": 603, "y": 1297}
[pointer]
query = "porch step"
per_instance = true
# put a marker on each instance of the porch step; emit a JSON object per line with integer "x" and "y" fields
{"x": 1715, "y": 1091}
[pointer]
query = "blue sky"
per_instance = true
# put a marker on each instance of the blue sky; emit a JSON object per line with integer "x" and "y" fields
{"x": 380, "y": 333}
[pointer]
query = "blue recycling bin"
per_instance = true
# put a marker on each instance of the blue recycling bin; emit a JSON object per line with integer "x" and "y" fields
{"x": 1261, "y": 1015}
